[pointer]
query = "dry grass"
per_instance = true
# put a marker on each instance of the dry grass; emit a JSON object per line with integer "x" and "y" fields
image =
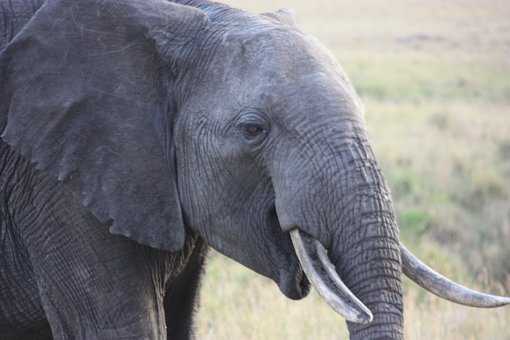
{"x": 239, "y": 304}
{"x": 435, "y": 79}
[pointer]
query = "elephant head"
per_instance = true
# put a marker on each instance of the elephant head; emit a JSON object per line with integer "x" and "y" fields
{"x": 166, "y": 119}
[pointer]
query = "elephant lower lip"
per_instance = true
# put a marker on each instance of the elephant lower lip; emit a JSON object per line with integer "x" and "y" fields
{"x": 294, "y": 285}
{"x": 302, "y": 283}
{"x": 293, "y": 282}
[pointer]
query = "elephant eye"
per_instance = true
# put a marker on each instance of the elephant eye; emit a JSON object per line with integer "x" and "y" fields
{"x": 252, "y": 131}
{"x": 253, "y": 127}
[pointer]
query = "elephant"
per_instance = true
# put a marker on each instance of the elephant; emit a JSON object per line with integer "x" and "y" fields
{"x": 136, "y": 134}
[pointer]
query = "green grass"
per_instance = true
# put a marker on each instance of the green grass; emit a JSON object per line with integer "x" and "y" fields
{"x": 435, "y": 80}
{"x": 398, "y": 78}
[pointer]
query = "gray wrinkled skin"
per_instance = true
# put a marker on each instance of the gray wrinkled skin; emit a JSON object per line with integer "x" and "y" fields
{"x": 134, "y": 131}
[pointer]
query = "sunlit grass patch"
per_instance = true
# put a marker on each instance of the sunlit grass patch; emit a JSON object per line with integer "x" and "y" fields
{"x": 239, "y": 304}
{"x": 422, "y": 78}
{"x": 432, "y": 318}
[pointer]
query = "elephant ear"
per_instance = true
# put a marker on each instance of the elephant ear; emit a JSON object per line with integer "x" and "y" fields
{"x": 86, "y": 95}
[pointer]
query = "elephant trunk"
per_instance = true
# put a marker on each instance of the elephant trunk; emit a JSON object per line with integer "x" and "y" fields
{"x": 345, "y": 206}
{"x": 367, "y": 257}
{"x": 360, "y": 274}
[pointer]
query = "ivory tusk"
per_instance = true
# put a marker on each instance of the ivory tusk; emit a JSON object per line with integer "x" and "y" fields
{"x": 445, "y": 288}
{"x": 322, "y": 275}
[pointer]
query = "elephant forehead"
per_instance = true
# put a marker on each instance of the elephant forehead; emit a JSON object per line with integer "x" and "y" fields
{"x": 281, "y": 59}
{"x": 276, "y": 53}
{"x": 310, "y": 95}
{"x": 267, "y": 65}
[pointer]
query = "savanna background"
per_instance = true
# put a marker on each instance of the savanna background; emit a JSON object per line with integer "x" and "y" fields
{"x": 435, "y": 80}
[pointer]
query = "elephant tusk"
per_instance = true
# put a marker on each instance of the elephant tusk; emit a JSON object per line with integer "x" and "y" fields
{"x": 323, "y": 276}
{"x": 445, "y": 288}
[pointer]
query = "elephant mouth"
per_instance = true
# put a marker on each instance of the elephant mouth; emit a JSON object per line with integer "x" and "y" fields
{"x": 294, "y": 283}
{"x": 290, "y": 277}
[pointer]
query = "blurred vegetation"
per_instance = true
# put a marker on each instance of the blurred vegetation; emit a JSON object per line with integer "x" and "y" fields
{"x": 435, "y": 80}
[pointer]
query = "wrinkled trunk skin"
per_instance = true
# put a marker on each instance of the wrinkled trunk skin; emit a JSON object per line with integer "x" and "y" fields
{"x": 367, "y": 258}
{"x": 365, "y": 249}
{"x": 356, "y": 210}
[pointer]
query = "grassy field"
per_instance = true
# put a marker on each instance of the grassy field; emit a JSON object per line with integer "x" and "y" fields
{"x": 435, "y": 80}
